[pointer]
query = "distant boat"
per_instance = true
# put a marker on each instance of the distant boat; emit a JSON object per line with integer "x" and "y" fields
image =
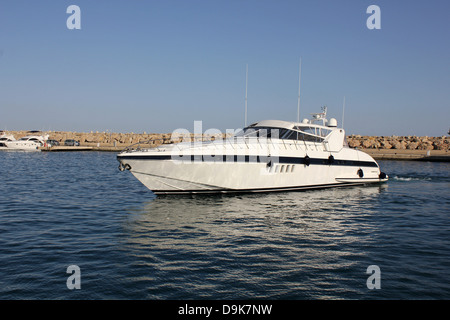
{"x": 5, "y": 138}
{"x": 27, "y": 143}
{"x": 270, "y": 155}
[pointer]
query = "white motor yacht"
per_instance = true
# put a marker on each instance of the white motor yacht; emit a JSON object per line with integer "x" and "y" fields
{"x": 269, "y": 155}
{"x": 5, "y": 138}
{"x": 27, "y": 143}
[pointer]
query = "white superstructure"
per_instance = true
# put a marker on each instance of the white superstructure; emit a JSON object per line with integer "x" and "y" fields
{"x": 271, "y": 155}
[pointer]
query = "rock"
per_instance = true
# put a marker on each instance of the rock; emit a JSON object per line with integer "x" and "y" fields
{"x": 399, "y": 145}
{"x": 354, "y": 143}
{"x": 369, "y": 143}
{"x": 440, "y": 145}
{"x": 412, "y": 146}
{"x": 386, "y": 145}
{"x": 425, "y": 146}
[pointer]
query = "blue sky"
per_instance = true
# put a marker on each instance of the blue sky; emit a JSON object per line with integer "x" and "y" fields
{"x": 156, "y": 66}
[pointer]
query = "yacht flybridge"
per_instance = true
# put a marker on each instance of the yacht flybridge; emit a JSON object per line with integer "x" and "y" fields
{"x": 270, "y": 155}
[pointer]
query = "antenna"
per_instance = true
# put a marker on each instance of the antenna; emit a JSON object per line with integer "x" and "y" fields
{"x": 343, "y": 111}
{"x": 299, "y": 80}
{"x": 246, "y": 85}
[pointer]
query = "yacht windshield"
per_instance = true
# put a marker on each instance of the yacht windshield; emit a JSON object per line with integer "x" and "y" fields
{"x": 257, "y": 132}
{"x": 317, "y": 131}
{"x": 279, "y": 133}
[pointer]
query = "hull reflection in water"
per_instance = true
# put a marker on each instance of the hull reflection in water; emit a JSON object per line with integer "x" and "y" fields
{"x": 251, "y": 246}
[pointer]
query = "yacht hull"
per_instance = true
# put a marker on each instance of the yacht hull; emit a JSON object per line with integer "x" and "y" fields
{"x": 13, "y": 146}
{"x": 164, "y": 175}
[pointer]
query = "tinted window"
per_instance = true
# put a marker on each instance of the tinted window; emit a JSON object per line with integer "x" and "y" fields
{"x": 279, "y": 133}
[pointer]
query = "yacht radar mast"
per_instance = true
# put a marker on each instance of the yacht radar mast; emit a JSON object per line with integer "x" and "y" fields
{"x": 321, "y": 116}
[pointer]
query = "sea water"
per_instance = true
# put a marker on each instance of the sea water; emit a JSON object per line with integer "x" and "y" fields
{"x": 77, "y": 209}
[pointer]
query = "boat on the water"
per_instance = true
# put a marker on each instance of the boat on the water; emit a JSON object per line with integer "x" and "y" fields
{"x": 270, "y": 155}
{"x": 27, "y": 143}
{"x": 5, "y": 138}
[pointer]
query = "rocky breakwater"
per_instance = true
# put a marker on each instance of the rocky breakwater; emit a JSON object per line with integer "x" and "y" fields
{"x": 126, "y": 139}
{"x": 109, "y": 139}
{"x": 399, "y": 142}
{"x": 403, "y": 147}
{"x": 380, "y": 147}
{"x": 354, "y": 141}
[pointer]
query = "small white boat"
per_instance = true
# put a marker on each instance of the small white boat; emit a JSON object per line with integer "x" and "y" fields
{"x": 270, "y": 155}
{"x": 27, "y": 143}
{"x": 5, "y": 138}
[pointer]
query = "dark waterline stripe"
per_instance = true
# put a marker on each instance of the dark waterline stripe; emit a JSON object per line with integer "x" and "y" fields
{"x": 263, "y": 190}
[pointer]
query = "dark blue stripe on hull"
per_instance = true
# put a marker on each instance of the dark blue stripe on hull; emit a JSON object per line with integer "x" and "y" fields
{"x": 254, "y": 159}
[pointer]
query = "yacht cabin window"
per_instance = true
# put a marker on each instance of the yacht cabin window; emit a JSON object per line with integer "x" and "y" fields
{"x": 279, "y": 133}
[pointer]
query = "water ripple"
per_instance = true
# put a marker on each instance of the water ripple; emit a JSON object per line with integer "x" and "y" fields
{"x": 59, "y": 209}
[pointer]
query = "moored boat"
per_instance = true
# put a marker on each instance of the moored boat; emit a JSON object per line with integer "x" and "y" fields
{"x": 27, "y": 143}
{"x": 4, "y": 138}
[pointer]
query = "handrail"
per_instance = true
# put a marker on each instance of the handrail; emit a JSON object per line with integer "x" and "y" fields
{"x": 155, "y": 143}
{"x": 152, "y": 143}
{"x": 133, "y": 147}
